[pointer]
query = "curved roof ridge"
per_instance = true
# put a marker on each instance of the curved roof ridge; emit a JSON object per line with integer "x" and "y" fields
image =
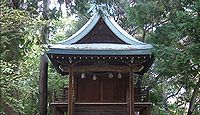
{"x": 120, "y": 32}
{"x": 83, "y": 31}
{"x": 112, "y": 25}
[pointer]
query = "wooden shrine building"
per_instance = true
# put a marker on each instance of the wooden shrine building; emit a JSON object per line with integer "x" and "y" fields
{"x": 102, "y": 62}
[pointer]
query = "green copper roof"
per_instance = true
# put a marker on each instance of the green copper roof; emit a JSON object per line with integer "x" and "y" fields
{"x": 113, "y": 26}
{"x": 70, "y": 46}
{"x": 99, "y": 49}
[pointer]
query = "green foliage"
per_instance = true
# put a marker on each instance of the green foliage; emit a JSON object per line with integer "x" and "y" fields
{"x": 65, "y": 27}
{"x": 173, "y": 28}
{"x": 16, "y": 37}
{"x": 18, "y": 76}
{"x": 20, "y": 49}
{"x": 13, "y": 24}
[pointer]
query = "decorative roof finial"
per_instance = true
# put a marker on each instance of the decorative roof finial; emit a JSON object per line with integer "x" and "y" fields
{"x": 102, "y": 9}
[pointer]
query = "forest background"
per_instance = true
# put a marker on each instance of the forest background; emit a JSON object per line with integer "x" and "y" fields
{"x": 171, "y": 26}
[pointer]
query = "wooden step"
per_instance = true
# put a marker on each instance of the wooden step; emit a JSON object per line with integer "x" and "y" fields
{"x": 101, "y": 110}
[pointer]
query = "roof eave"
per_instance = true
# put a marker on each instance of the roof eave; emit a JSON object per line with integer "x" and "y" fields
{"x": 100, "y": 52}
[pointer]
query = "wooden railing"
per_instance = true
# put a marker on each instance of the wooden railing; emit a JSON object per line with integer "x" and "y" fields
{"x": 141, "y": 105}
{"x": 62, "y": 95}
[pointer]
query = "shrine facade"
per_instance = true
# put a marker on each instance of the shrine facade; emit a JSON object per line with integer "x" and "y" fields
{"x": 102, "y": 62}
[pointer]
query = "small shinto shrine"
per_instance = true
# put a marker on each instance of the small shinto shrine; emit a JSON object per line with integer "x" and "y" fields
{"x": 102, "y": 62}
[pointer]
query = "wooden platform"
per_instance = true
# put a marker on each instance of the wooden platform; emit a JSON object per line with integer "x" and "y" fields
{"x": 102, "y": 108}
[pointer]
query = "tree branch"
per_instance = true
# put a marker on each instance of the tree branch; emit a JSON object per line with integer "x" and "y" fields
{"x": 174, "y": 94}
{"x": 193, "y": 98}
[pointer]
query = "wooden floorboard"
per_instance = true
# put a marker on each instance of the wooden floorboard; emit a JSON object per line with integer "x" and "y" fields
{"x": 101, "y": 108}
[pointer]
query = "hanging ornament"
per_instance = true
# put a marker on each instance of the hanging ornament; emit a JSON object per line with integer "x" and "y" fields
{"x": 94, "y": 77}
{"x": 110, "y": 75}
{"x": 83, "y": 75}
{"x": 119, "y": 75}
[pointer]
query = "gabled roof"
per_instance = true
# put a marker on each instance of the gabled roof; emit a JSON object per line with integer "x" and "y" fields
{"x": 130, "y": 45}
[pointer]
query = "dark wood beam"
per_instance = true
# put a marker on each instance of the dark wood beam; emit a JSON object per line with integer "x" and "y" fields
{"x": 131, "y": 92}
{"x": 102, "y": 68}
{"x": 43, "y": 79}
{"x": 70, "y": 91}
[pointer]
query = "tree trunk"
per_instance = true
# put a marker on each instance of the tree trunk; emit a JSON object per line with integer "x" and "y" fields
{"x": 43, "y": 85}
{"x": 193, "y": 98}
{"x": 45, "y": 31}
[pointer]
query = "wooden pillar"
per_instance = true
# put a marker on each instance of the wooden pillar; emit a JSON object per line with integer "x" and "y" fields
{"x": 43, "y": 85}
{"x": 131, "y": 93}
{"x": 70, "y": 91}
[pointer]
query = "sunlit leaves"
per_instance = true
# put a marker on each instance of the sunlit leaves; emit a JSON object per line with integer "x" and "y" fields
{"x": 16, "y": 25}
{"x": 174, "y": 31}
